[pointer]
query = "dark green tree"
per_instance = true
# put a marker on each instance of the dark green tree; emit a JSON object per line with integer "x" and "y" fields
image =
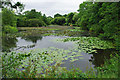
{"x": 45, "y": 19}
{"x": 57, "y": 15}
{"x": 58, "y": 21}
{"x": 69, "y": 19}
{"x": 8, "y": 17}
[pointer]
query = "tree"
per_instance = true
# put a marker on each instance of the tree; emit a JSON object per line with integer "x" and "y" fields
{"x": 57, "y": 15}
{"x": 35, "y": 23}
{"x": 100, "y": 19}
{"x": 49, "y": 18}
{"x": 65, "y": 15}
{"x": 58, "y": 21}
{"x": 22, "y": 21}
{"x": 46, "y": 21}
{"x": 12, "y": 5}
{"x": 69, "y": 18}
{"x": 29, "y": 16}
{"x": 32, "y": 14}
{"x": 8, "y": 17}
{"x": 75, "y": 18}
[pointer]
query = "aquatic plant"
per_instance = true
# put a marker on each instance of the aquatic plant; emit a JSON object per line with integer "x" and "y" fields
{"x": 90, "y": 44}
{"x": 29, "y": 65}
{"x": 37, "y": 60}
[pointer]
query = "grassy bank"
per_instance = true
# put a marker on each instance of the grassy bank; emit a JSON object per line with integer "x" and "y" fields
{"x": 52, "y": 27}
{"x": 51, "y": 30}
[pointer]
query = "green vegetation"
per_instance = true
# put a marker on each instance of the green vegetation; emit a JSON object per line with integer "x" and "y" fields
{"x": 9, "y": 21}
{"x": 89, "y": 44}
{"x": 9, "y": 29}
{"x": 38, "y": 60}
{"x": 8, "y": 17}
{"x": 100, "y": 19}
{"x": 32, "y": 19}
{"x": 58, "y": 20}
{"x": 98, "y": 29}
{"x": 23, "y": 65}
{"x": 110, "y": 68}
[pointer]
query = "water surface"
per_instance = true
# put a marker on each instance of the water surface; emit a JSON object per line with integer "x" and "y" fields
{"x": 25, "y": 44}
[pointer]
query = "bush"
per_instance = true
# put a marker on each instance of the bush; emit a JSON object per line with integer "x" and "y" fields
{"x": 110, "y": 68}
{"x": 9, "y": 29}
{"x": 58, "y": 21}
{"x": 35, "y": 23}
{"x": 66, "y": 24}
{"x": 8, "y": 17}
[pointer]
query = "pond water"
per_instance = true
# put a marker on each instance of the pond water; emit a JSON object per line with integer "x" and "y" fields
{"x": 44, "y": 42}
{"x": 28, "y": 43}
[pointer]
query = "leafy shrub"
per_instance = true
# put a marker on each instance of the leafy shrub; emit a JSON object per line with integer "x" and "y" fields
{"x": 66, "y": 24}
{"x": 58, "y": 21}
{"x": 110, "y": 68}
{"x": 8, "y": 17}
{"x": 35, "y": 23}
{"x": 9, "y": 29}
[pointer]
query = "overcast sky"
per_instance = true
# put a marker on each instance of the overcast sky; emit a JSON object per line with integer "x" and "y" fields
{"x": 51, "y": 7}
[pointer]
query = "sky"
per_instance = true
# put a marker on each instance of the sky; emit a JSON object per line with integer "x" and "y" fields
{"x": 51, "y": 7}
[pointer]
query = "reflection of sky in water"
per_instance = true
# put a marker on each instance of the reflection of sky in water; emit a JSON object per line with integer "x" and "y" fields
{"x": 82, "y": 64}
{"x": 46, "y": 42}
{"x": 22, "y": 42}
{"x": 49, "y": 41}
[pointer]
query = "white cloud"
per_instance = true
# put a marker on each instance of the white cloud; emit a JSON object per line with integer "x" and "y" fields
{"x": 51, "y": 7}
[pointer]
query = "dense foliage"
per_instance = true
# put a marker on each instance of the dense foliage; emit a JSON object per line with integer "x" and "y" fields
{"x": 100, "y": 19}
{"x": 58, "y": 20}
{"x": 18, "y": 6}
{"x": 9, "y": 19}
{"x": 32, "y": 19}
{"x": 110, "y": 69}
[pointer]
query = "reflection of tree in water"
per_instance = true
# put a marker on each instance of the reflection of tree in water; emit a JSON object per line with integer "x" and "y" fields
{"x": 99, "y": 58}
{"x": 8, "y": 43}
{"x": 32, "y": 38}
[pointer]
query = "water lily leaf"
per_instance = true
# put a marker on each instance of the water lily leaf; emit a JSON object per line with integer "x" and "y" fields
{"x": 81, "y": 58}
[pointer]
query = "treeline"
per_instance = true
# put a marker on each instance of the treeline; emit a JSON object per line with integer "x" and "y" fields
{"x": 101, "y": 19}
{"x": 13, "y": 18}
{"x": 32, "y": 19}
{"x": 67, "y": 19}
